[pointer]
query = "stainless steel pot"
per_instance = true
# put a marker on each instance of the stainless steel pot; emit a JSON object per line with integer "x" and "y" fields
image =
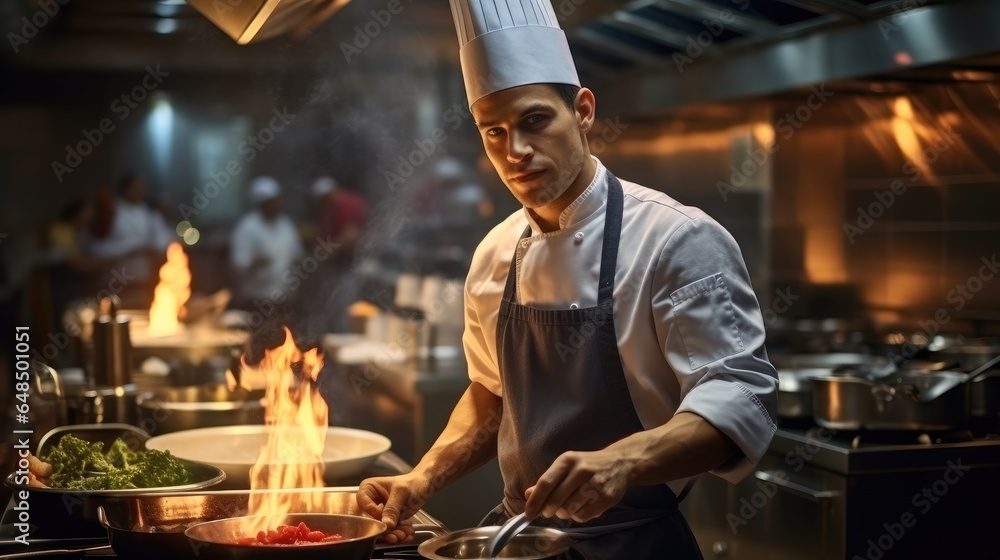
{"x": 175, "y": 409}
{"x": 846, "y": 402}
{"x": 795, "y": 392}
{"x": 533, "y": 543}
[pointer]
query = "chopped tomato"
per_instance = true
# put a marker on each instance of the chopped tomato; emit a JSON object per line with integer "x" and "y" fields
{"x": 288, "y": 535}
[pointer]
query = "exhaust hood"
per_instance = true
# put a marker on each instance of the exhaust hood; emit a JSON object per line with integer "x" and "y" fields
{"x": 254, "y": 20}
{"x": 653, "y": 56}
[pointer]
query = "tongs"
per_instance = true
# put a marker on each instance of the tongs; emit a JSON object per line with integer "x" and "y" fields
{"x": 505, "y": 533}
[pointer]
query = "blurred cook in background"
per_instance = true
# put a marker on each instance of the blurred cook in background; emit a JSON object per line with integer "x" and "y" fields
{"x": 343, "y": 215}
{"x": 264, "y": 246}
{"x": 137, "y": 240}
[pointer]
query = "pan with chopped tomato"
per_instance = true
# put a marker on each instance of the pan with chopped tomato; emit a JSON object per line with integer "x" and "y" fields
{"x": 298, "y": 536}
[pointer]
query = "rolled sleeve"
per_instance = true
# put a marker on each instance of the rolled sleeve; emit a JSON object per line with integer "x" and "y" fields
{"x": 712, "y": 335}
{"x": 482, "y": 366}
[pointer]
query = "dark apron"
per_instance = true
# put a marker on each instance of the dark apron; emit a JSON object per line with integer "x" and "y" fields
{"x": 564, "y": 389}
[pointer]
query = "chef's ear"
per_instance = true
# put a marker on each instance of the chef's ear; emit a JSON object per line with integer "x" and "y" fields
{"x": 586, "y": 109}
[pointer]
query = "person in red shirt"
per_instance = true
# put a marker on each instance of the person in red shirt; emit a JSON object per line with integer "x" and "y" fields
{"x": 343, "y": 216}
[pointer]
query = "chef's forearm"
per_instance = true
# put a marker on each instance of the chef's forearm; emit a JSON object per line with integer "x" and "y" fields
{"x": 685, "y": 446}
{"x": 468, "y": 441}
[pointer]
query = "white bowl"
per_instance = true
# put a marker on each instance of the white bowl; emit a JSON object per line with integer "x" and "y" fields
{"x": 234, "y": 449}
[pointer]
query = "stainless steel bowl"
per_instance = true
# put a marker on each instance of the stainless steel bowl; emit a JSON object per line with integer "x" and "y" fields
{"x": 60, "y": 513}
{"x": 215, "y": 540}
{"x": 534, "y": 543}
{"x": 174, "y": 409}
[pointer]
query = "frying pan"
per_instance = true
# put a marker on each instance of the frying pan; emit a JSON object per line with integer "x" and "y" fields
{"x": 215, "y": 540}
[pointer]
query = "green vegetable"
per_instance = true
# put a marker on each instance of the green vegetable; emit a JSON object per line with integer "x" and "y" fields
{"x": 81, "y": 465}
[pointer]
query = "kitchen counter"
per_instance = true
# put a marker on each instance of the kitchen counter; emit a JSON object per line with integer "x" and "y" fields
{"x": 410, "y": 401}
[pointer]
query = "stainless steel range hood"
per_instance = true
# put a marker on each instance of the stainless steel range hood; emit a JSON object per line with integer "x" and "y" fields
{"x": 253, "y": 20}
{"x": 653, "y": 56}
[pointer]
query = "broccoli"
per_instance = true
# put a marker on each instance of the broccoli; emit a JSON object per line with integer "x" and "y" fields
{"x": 81, "y": 465}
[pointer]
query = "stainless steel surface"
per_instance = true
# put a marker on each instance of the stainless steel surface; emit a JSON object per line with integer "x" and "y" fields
{"x": 818, "y": 495}
{"x": 173, "y": 409}
{"x": 112, "y": 349}
{"x": 844, "y": 402}
{"x": 509, "y": 530}
{"x": 73, "y": 513}
{"x": 259, "y": 19}
{"x": 947, "y": 383}
{"x": 534, "y": 543}
{"x": 104, "y": 405}
{"x": 679, "y": 60}
{"x": 214, "y": 540}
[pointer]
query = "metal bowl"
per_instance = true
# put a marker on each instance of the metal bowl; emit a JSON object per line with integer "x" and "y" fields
{"x": 65, "y": 513}
{"x": 173, "y": 409}
{"x": 533, "y": 543}
{"x": 216, "y": 539}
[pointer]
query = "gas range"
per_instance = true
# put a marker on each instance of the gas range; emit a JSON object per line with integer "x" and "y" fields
{"x": 871, "y": 452}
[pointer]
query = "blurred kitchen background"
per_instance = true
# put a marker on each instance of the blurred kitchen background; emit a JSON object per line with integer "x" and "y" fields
{"x": 850, "y": 146}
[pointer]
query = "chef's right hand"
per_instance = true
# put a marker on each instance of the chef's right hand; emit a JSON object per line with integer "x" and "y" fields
{"x": 392, "y": 499}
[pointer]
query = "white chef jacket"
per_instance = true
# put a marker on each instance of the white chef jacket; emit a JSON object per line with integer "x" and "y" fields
{"x": 690, "y": 332}
{"x": 135, "y": 226}
{"x": 278, "y": 240}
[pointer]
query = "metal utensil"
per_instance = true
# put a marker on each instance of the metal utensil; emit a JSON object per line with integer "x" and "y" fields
{"x": 939, "y": 389}
{"x": 507, "y": 531}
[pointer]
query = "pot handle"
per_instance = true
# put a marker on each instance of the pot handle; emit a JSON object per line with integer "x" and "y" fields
{"x": 882, "y": 394}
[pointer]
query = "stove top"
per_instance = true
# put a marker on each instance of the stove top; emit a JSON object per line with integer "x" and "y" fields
{"x": 97, "y": 546}
{"x": 870, "y": 452}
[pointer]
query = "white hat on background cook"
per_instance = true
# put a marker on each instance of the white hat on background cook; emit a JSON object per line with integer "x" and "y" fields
{"x": 323, "y": 186}
{"x": 510, "y": 43}
{"x": 264, "y": 188}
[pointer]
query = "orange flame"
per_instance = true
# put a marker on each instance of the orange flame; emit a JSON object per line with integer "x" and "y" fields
{"x": 297, "y": 418}
{"x": 171, "y": 293}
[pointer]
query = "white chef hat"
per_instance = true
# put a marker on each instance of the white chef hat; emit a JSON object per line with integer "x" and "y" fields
{"x": 510, "y": 43}
{"x": 264, "y": 188}
{"x": 323, "y": 186}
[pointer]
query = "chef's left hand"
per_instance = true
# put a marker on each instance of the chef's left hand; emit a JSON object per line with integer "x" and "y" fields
{"x": 579, "y": 486}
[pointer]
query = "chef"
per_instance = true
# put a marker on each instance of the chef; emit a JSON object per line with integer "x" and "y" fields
{"x": 614, "y": 343}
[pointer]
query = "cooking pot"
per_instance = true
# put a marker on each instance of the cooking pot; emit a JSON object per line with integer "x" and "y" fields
{"x": 533, "y": 543}
{"x": 795, "y": 393}
{"x": 904, "y": 401}
{"x": 173, "y": 409}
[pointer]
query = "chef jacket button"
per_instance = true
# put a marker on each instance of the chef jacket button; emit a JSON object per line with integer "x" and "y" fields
{"x": 578, "y": 236}
{"x": 573, "y": 305}
{"x": 524, "y": 244}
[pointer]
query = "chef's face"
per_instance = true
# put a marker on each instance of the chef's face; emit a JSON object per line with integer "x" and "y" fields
{"x": 537, "y": 143}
